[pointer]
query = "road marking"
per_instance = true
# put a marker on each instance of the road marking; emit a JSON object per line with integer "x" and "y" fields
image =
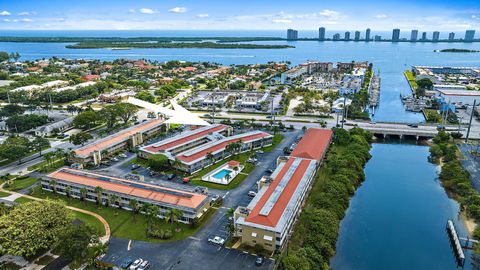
{"x": 129, "y": 245}
{"x": 194, "y": 238}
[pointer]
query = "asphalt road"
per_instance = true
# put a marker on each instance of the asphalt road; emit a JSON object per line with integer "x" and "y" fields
{"x": 195, "y": 252}
{"x": 471, "y": 164}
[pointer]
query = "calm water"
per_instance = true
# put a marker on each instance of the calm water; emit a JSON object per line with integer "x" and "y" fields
{"x": 396, "y": 220}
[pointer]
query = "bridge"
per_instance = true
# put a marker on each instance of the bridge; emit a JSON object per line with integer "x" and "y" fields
{"x": 401, "y": 132}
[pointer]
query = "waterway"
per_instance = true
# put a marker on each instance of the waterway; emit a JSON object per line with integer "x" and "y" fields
{"x": 397, "y": 218}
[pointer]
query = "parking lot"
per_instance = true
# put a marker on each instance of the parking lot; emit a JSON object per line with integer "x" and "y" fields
{"x": 196, "y": 252}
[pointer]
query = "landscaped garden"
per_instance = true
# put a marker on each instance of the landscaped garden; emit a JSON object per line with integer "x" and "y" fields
{"x": 19, "y": 183}
{"x": 127, "y": 224}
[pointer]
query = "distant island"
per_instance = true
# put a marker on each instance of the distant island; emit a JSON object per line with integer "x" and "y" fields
{"x": 118, "y": 43}
{"x": 457, "y": 51}
{"x": 171, "y": 45}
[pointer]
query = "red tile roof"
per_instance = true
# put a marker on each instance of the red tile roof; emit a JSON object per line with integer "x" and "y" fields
{"x": 192, "y": 200}
{"x": 153, "y": 148}
{"x": 117, "y": 137}
{"x": 276, "y": 213}
{"x": 313, "y": 144}
{"x": 220, "y": 145}
{"x": 91, "y": 77}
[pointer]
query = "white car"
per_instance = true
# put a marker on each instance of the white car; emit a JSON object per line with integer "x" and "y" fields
{"x": 144, "y": 266}
{"x": 252, "y": 193}
{"x": 217, "y": 240}
{"x": 136, "y": 264}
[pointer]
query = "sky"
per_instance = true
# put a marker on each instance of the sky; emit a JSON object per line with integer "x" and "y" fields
{"x": 427, "y": 15}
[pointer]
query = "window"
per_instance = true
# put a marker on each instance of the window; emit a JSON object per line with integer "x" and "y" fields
{"x": 268, "y": 238}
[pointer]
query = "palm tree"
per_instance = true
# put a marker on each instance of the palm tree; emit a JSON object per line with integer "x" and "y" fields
{"x": 228, "y": 177}
{"x": 115, "y": 201}
{"x": 230, "y": 228}
{"x": 83, "y": 195}
{"x": 134, "y": 206}
{"x": 173, "y": 215}
{"x": 99, "y": 191}
{"x": 210, "y": 157}
{"x": 68, "y": 191}
{"x": 53, "y": 184}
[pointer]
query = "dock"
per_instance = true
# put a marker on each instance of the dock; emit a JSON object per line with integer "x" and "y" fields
{"x": 455, "y": 242}
{"x": 374, "y": 92}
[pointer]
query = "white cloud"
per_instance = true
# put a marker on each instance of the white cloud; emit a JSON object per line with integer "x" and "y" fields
{"x": 328, "y": 13}
{"x": 381, "y": 16}
{"x": 26, "y": 20}
{"x": 203, "y": 15}
{"x": 131, "y": 10}
{"x": 6, "y": 20}
{"x": 281, "y": 20}
{"x": 5, "y": 13}
{"x": 146, "y": 11}
{"x": 178, "y": 10}
{"x": 25, "y": 13}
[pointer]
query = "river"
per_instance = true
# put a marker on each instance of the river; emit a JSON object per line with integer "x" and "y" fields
{"x": 397, "y": 217}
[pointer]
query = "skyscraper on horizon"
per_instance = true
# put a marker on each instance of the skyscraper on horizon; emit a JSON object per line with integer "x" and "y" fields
{"x": 367, "y": 34}
{"x": 292, "y": 34}
{"x": 469, "y": 35}
{"x": 357, "y": 35}
{"x": 336, "y": 36}
{"x": 347, "y": 35}
{"x": 436, "y": 36}
{"x": 321, "y": 33}
{"x": 451, "y": 36}
{"x": 414, "y": 35}
{"x": 424, "y": 36}
{"x": 396, "y": 34}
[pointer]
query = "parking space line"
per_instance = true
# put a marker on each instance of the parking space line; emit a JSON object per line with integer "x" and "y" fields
{"x": 194, "y": 238}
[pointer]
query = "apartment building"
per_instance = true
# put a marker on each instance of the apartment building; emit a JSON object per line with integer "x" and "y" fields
{"x": 270, "y": 216}
{"x": 194, "y": 150}
{"x": 192, "y": 205}
{"x": 128, "y": 138}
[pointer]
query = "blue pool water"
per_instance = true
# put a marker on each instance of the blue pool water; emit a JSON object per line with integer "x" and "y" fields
{"x": 221, "y": 174}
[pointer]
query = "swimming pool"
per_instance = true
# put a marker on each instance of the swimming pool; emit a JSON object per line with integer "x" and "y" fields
{"x": 221, "y": 174}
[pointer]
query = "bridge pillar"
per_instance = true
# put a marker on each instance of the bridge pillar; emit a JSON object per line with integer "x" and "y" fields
{"x": 401, "y": 136}
{"x": 417, "y": 137}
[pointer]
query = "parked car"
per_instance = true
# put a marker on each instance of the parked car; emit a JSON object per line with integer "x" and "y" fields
{"x": 135, "y": 166}
{"x": 413, "y": 125}
{"x": 259, "y": 261}
{"x": 269, "y": 171}
{"x": 122, "y": 155}
{"x": 186, "y": 180}
{"x": 115, "y": 159}
{"x": 136, "y": 264}
{"x": 144, "y": 266}
{"x": 217, "y": 240}
{"x": 259, "y": 152}
{"x": 126, "y": 263}
{"x": 171, "y": 176}
{"x": 252, "y": 193}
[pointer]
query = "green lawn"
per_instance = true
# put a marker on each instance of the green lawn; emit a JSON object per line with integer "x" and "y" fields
{"x": 19, "y": 184}
{"x": 4, "y": 194}
{"x": 122, "y": 223}
{"x": 23, "y": 200}
{"x": 411, "y": 79}
{"x": 90, "y": 221}
{"x": 42, "y": 166}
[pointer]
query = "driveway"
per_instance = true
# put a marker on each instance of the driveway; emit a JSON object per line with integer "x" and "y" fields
{"x": 195, "y": 251}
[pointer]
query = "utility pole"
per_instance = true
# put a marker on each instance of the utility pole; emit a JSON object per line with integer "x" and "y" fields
{"x": 213, "y": 106}
{"x": 343, "y": 110}
{"x": 470, "y": 123}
